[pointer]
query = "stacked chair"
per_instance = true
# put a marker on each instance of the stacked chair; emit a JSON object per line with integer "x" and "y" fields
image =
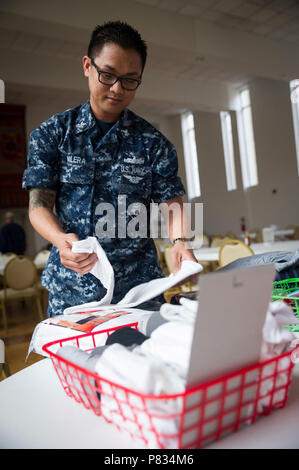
{"x": 230, "y": 250}
{"x": 20, "y": 281}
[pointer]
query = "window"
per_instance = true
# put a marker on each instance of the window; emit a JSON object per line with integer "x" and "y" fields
{"x": 228, "y": 149}
{"x": 294, "y": 89}
{"x": 190, "y": 155}
{"x": 246, "y": 139}
{"x": 2, "y": 100}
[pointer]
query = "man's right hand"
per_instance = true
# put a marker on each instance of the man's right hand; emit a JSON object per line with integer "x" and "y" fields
{"x": 41, "y": 204}
{"x": 82, "y": 263}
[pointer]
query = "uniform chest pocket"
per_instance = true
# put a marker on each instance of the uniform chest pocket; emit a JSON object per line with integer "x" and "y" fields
{"x": 136, "y": 184}
{"x": 76, "y": 170}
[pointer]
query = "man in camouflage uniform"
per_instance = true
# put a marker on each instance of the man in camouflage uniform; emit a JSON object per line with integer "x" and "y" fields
{"x": 101, "y": 152}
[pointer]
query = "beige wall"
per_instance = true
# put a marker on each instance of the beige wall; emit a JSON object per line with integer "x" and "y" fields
{"x": 40, "y": 105}
{"x": 275, "y": 149}
{"x": 222, "y": 209}
{"x": 276, "y": 155}
{"x": 276, "y": 161}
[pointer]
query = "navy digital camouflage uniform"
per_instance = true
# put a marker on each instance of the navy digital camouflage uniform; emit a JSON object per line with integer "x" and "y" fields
{"x": 68, "y": 154}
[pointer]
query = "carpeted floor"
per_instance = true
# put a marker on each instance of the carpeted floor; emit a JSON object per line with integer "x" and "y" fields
{"x": 22, "y": 318}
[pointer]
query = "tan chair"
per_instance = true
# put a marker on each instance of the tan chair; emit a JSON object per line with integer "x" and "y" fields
{"x": 205, "y": 240}
{"x": 258, "y": 235}
{"x": 19, "y": 281}
{"x": 231, "y": 235}
{"x": 169, "y": 293}
{"x": 202, "y": 242}
{"x": 291, "y": 236}
{"x": 159, "y": 243}
{"x": 7, "y": 257}
{"x": 199, "y": 241}
{"x": 216, "y": 241}
{"x": 231, "y": 250}
{"x": 4, "y": 258}
{"x": 41, "y": 259}
{"x": 167, "y": 257}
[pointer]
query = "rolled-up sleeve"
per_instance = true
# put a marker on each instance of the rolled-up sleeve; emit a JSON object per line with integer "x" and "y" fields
{"x": 42, "y": 161}
{"x": 166, "y": 184}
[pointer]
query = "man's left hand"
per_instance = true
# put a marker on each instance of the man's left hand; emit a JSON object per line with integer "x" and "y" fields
{"x": 180, "y": 253}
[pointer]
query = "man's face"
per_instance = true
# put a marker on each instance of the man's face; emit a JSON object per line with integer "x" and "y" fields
{"x": 108, "y": 101}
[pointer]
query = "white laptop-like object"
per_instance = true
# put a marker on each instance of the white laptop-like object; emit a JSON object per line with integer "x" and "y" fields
{"x": 232, "y": 307}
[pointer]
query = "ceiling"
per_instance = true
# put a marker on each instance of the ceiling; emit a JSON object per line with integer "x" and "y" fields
{"x": 275, "y": 19}
{"x": 272, "y": 19}
{"x": 189, "y": 65}
{"x": 178, "y": 64}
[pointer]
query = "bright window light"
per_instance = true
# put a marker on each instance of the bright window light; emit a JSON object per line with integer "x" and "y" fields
{"x": 246, "y": 139}
{"x": 228, "y": 150}
{"x": 190, "y": 155}
{"x": 294, "y": 88}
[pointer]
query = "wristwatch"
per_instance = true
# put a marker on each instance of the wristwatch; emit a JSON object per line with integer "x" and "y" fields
{"x": 180, "y": 239}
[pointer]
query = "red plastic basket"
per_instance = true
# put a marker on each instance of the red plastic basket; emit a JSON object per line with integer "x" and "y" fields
{"x": 191, "y": 419}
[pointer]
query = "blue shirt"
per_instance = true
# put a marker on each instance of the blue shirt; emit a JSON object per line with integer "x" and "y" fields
{"x": 69, "y": 154}
{"x": 104, "y": 126}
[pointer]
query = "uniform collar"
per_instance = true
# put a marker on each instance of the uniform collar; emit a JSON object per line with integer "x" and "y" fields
{"x": 86, "y": 120}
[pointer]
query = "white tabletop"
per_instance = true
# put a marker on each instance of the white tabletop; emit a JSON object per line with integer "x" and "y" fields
{"x": 284, "y": 232}
{"x": 277, "y": 233}
{"x": 36, "y": 413}
{"x": 211, "y": 253}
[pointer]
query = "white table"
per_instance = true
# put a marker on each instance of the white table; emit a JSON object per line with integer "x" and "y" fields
{"x": 211, "y": 253}
{"x": 284, "y": 232}
{"x": 277, "y": 233}
{"x": 37, "y": 414}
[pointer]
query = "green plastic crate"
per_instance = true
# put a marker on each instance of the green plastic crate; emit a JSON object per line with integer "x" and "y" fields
{"x": 282, "y": 290}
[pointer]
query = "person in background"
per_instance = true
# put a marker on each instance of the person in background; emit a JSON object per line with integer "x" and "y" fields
{"x": 12, "y": 236}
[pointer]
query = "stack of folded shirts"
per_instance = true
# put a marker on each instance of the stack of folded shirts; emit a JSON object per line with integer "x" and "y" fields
{"x": 155, "y": 361}
{"x": 150, "y": 365}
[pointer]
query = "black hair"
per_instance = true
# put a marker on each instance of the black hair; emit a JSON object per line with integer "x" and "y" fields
{"x": 120, "y": 33}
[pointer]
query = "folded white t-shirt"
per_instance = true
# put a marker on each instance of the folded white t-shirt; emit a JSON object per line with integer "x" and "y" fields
{"x": 138, "y": 294}
{"x": 102, "y": 269}
{"x": 78, "y": 324}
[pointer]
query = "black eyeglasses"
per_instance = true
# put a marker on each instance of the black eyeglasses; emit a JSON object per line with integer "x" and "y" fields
{"x": 107, "y": 78}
